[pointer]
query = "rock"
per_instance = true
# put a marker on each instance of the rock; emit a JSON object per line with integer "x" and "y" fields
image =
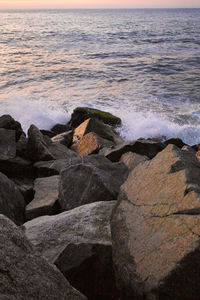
{"x": 177, "y": 142}
{"x": 7, "y": 144}
{"x": 7, "y": 122}
{"x": 90, "y": 179}
{"x": 21, "y": 146}
{"x": 102, "y": 130}
{"x": 155, "y": 229}
{"x": 90, "y": 143}
{"x": 51, "y": 167}
{"x": 79, "y": 243}
{"x": 24, "y": 274}
{"x": 25, "y": 186}
{"x": 80, "y": 114}
{"x": 60, "y": 128}
{"x": 131, "y": 160}
{"x": 12, "y": 203}
{"x": 196, "y": 148}
{"x": 41, "y": 147}
{"x": 145, "y": 147}
{"x": 64, "y": 138}
{"x": 45, "y": 200}
{"x": 17, "y": 167}
{"x": 49, "y": 133}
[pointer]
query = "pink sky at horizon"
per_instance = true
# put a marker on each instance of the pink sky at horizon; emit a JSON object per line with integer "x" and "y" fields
{"x": 98, "y": 3}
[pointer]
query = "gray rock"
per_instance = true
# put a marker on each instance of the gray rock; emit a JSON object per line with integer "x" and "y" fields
{"x": 147, "y": 147}
{"x": 79, "y": 243}
{"x": 64, "y": 138}
{"x": 51, "y": 167}
{"x": 132, "y": 160}
{"x": 45, "y": 200}
{"x": 17, "y": 167}
{"x": 24, "y": 274}
{"x": 7, "y": 144}
{"x": 12, "y": 203}
{"x": 155, "y": 228}
{"x": 90, "y": 179}
{"x": 7, "y": 122}
{"x": 25, "y": 186}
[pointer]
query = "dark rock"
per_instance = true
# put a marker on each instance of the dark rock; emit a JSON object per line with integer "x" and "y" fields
{"x": 17, "y": 167}
{"x": 64, "y": 138}
{"x": 12, "y": 203}
{"x": 60, "y": 128}
{"x": 7, "y": 144}
{"x": 80, "y": 114}
{"x": 25, "y": 186}
{"x": 24, "y": 274}
{"x": 49, "y": 133}
{"x": 7, "y": 122}
{"x": 49, "y": 168}
{"x": 90, "y": 143}
{"x": 155, "y": 229}
{"x": 146, "y": 147}
{"x": 45, "y": 200}
{"x": 177, "y": 142}
{"x": 90, "y": 179}
{"x": 21, "y": 146}
{"x": 132, "y": 160}
{"x": 41, "y": 147}
{"x": 79, "y": 243}
{"x": 102, "y": 130}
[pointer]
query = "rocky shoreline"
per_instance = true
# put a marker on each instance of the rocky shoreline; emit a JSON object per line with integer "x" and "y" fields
{"x": 86, "y": 215}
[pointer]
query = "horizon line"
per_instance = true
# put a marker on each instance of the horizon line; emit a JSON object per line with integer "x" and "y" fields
{"x": 95, "y": 8}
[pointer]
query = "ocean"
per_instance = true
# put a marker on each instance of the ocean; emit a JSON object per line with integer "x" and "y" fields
{"x": 142, "y": 65}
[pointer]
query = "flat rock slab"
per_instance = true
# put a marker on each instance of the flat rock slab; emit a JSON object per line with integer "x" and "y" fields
{"x": 51, "y": 167}
{"x": 12, "y": 203}
{"x": 132, "y": 160}
{"x": 7, "y": 144}
{"x": 90, "y": 179}
{"x": 45, "y": 198}
{"x": 155, "y": 228}
{"x": 25, "y": 274}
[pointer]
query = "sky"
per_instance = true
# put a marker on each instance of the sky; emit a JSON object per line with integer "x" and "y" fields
{"x": 5, "y": 4}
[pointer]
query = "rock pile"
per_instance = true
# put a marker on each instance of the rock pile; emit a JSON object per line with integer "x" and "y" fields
{"x": 81, "y": 207}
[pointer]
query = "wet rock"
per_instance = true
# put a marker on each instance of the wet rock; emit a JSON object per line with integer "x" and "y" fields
{"x": 7, "y": 122}
{"x": 80, "y": 114}
{"x": 12, "y": 203}
{"x": 24, "y": 274}
{"x": 17, "y": 167}
{"x": 90, "y": 179}
{"x": 41, "y": 147}
{"x": 131, "y": 160}
{"x": 60, "y": 128}
{"x": 175, "y": 141}
{"x": 64, "y": 138}
{"x": 90, "y": 143}
{"x": 102, "y": 130}
{"x": 45, "y": 200}
{"x": 145, "y": 147}
{"x": 79, "y": 243}
{"x": 155, "y": 229}
{"x": 7, "y": 144}
{"x": 49, "y": 133}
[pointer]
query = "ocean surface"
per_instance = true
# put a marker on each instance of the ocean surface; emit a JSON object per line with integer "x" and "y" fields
{"x": 142, "y": 65}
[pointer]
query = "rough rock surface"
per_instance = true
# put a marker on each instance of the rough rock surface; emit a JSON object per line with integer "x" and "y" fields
{"x": 17, "y": 166}
{"x": 102, "y": 130}
{"x": 90, "y": 179}
{"x": 90, "y": 143}
{"x": 41, "y": 147}
{"x": 64, "y": 138}
{"x": 80, "y": 114}
{"x": 7, "y": 122}
{"x": 7, "y": 143}
{"x": 24, "y": 274}
{"x": 79, "y": 243}
{"x": 60, "y": 128}
{"x": 51, "y": 167}
{"x": 155, "y": 229}
{"x": 12, "y": 203}
{"x": 45, "y": 200}
{"x": 131, "y": 160}
{"x": 146, "y": 147}
{"x": 25, "y": 186}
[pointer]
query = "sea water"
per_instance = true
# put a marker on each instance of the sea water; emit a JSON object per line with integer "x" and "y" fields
{"x": 141, "y": 65}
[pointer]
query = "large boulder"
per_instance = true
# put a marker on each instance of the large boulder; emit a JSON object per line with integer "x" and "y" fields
{"x": 102, "y": 130}
{"x": 25, "y": 186}
{"x": 132, "y": 160}
{"x": 147, "y": 147}
{"x": 155, "y": 229}
{"x": 12, "y": 203}
{"x": 17, "y": 167}
{"x": 24, "y": 274}
{"x": 7, "y": 144}
{"x": 90, "y": 179}
{"x": 40, "y": 147}
{"x": 7, "y": 122}
{"x": 45, "y": 200}
{"x": 80, "y": 114}
{"x": 79, "y": 243}
{"x": 64, "y": 138}
{"x": 50, "y": 168}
